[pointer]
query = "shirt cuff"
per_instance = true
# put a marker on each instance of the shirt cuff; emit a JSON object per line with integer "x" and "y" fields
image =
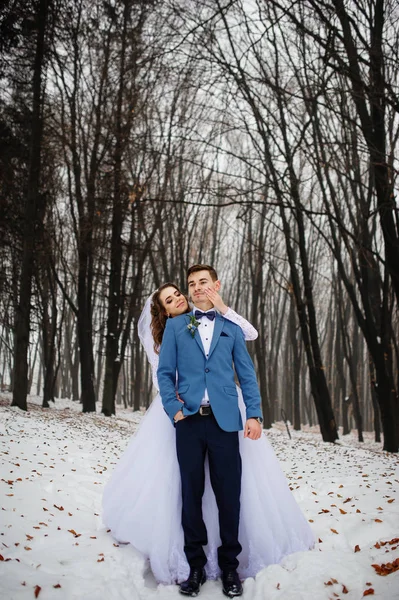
{"x": 255, "y": 417}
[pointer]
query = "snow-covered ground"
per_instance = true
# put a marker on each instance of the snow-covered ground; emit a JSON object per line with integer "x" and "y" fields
{"x": 53, "y": 467}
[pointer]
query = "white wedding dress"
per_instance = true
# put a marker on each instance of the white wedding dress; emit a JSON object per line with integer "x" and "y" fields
{"x": 142, "y": 500}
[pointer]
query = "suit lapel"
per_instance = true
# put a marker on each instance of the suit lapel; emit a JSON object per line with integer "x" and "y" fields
{"x": 219, "y": 322}
{"x": 197, "y": 336}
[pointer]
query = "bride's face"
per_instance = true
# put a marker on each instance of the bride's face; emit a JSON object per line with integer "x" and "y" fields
{"x": 173, "y": 302}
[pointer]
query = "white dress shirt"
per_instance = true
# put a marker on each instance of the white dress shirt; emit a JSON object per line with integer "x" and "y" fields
{"x": 205, "y": 329}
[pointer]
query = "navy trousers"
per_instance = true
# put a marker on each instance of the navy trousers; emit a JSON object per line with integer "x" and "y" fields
{"x": 196, "y": 436}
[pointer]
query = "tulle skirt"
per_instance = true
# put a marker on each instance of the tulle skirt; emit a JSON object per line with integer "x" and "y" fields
{"x": 142, "y": 504}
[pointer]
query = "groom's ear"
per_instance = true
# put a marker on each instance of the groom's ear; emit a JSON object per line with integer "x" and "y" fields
{"x": 218, "y": 285}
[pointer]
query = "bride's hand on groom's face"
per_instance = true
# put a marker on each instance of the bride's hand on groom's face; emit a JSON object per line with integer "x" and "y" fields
{"x": 216, "y": 300}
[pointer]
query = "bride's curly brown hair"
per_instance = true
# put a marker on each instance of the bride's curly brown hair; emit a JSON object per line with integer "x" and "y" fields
{"x": 158, "y": 315}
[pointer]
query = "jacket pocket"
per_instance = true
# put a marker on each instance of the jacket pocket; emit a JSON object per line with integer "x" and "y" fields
{"x": 231, "y": 391}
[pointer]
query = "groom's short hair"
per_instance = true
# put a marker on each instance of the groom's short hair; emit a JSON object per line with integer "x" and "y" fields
{"x": 196, "y": 268}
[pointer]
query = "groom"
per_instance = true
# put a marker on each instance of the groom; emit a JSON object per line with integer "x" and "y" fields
{"x": 202, "y": 347}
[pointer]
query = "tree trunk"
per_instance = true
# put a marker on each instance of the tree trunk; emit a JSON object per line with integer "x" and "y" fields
{"x": 296, "y": 366}
{"x": 84, "y": 327}
{"x": 377, "y": 422}
{"x": 34, "y": 201}
{"x": 115, "y": 305}
{"x": 137, "y": 371}
{"x": 49, "y": 343}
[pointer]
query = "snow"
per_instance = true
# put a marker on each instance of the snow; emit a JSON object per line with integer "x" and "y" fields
{"x": 54, "y": 464}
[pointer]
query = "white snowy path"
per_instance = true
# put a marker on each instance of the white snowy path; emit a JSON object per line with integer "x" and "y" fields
{"x": 53, "y": 467}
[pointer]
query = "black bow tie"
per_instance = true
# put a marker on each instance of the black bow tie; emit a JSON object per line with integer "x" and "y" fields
{"x": 211, "y": 314}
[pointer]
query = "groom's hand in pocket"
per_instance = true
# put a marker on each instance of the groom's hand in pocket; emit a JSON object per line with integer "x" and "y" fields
{"x": 178, "y": 416}
{"x": 253, "y": 429}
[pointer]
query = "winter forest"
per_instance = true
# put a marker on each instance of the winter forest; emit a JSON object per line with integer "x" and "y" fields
{"x": 139, "y": 137}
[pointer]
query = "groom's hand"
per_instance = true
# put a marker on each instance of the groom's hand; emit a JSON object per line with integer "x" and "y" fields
{"x": 253, "y": 429}
{"x": 178, "y": 416}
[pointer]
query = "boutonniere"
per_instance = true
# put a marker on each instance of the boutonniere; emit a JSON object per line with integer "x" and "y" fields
{"x": 193, "y": 325}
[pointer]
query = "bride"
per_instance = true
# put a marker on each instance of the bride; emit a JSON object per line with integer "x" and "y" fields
{"x": 142, "y": 499}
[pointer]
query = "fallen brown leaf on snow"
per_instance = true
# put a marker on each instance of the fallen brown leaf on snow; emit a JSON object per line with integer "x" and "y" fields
{"x": 74, "y": 533}
{"x": 388, "y": 568}
{"x": 390, "y": 542}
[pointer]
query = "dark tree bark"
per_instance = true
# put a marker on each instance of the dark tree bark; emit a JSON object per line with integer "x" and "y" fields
{"x": 49, "y": 333}
{"x": 115, "y": 300}
{"x": 71, "y": 355}
{"x": 296, "y": 365}
{"x": 33, "y": 210}
{"x": 352, "y": 359}
{"x": 376, "y": 407}
{"x": 256, "y": 241}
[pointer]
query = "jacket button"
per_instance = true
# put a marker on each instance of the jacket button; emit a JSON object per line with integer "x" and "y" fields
{"x": 206, "y": 370}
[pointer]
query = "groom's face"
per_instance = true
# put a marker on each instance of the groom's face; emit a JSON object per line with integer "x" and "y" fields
{"x": 197, "y": 283}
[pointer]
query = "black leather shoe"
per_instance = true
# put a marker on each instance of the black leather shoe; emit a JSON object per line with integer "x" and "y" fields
{"x": 231, "y": 584}
{"x": 192, "y": 586}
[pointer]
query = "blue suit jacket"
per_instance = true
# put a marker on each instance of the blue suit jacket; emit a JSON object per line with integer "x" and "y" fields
{"x": 182, "y": 353}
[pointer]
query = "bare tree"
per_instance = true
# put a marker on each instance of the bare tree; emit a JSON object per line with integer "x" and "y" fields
{"x": 34, "y": 211}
